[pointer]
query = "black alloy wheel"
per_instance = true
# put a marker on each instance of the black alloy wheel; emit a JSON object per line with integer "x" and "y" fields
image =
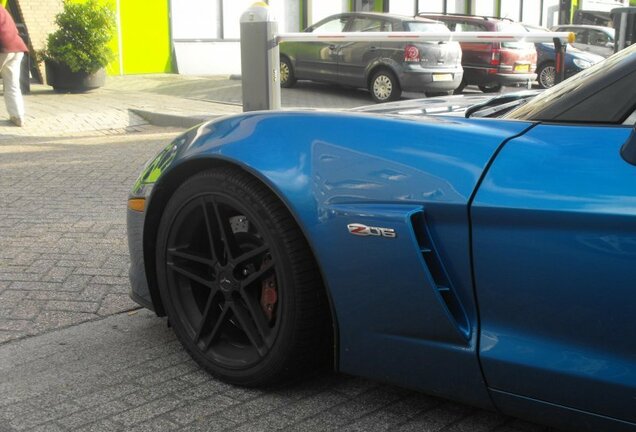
{"x": 239, "y": 285}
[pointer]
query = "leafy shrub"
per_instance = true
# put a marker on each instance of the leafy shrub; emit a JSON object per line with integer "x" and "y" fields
{"x": 81, "y": 40}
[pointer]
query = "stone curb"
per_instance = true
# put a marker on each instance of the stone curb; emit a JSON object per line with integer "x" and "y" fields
{"x": 172, "y": 120}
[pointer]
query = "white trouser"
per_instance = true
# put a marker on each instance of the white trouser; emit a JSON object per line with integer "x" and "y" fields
{"x": 10, "y": 70}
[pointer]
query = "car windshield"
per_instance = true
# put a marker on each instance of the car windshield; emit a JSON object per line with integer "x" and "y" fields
{"x": 537, "y": 104}
{"x": 513, "y": 27}
{"x": 418, "y": 26}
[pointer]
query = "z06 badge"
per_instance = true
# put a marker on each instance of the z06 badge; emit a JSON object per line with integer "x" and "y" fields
{"x": 363, "y": 230}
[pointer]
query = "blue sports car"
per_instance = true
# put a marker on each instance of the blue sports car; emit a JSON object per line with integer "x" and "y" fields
{"x": 488, "y": 258}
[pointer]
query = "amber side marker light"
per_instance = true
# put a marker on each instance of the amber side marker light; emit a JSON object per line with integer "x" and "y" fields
{"x": 571, "y": 37}
{"x": 137, "y": 204}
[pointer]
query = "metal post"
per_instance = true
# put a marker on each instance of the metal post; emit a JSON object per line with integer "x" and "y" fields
{"x": 559, "y": 60}
{"x": 260, "y": 59}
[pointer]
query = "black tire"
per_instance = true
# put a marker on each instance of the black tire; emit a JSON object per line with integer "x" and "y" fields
{"x": 460, "y": 89}
{"x": 546, "y": 75}
{"x": 490, "y": 88}
{"x": 287, "y": 78}
{"x": 384, "y": 86}
{"x": 238, "y": 282}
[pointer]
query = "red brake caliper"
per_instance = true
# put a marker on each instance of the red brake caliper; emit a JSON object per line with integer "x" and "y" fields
{"x": 269, "y": 295}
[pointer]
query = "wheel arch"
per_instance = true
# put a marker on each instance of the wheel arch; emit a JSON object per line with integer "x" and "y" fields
{"x": 165, "y": 188}
{"x": 381, "y": 65}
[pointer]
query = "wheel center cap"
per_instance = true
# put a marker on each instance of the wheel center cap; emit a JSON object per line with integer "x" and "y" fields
{"x": 225, "y": 283}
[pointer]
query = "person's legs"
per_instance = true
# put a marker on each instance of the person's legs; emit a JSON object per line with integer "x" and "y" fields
{"x": 11, "y": 80}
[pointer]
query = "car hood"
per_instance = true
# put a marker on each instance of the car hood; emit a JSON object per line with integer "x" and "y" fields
{"x": 455, "y": 105}
{"x": 575, "y": 53}
{"x": 584, "y": 55}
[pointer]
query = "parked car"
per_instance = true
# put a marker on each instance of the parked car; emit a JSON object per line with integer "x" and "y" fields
{"x": 490, "y": 261}
{"x": 595, "y": 39}
{"x": 575, "y": 60}
{"x": 492, "y": 65}
{"x": 385, "y": 68}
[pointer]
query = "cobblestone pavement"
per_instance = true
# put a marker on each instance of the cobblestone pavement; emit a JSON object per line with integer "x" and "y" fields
{"x": 128, "y": 373}
{"x": 63, "y": 250}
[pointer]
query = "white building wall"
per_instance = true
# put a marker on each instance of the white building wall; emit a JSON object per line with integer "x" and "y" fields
{"x": 404, "y": 7}
{"x": 511, "y": 9}
{"x": 207, "y": 43}
{"x": 531, "y": 12}
{"x": 456, "y": 6}
{"x": 550, "y": 13}
{"x": 319, "y": 9}
{"x": 484, "y": 7}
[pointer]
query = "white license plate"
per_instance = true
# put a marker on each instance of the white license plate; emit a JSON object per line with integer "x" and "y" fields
{"x": 442, "y": 77}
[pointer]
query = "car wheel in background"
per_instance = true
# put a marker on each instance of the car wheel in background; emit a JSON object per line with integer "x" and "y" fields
{"x": 490, "y": 88}
{"x": 287, "y": 78}
{"x": 546, "y": 75}
{"x": 460, "y": 89}
{"x": 384, "y": 86}
{"x": 239, "y": 284}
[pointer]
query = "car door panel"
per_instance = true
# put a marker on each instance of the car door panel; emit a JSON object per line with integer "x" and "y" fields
{"x": 554, "y": 246}
{"x": 318, "y": 60}
{"x": 355, "y": 57}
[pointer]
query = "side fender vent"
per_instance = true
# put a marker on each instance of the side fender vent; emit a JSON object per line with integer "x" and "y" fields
{"x": 438, "y": 275}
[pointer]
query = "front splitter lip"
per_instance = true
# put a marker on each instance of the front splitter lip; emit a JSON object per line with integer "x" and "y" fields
{"x": 139, "y": 290}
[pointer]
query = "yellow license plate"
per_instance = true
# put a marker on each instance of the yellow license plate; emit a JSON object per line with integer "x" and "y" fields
{"x": 522, "y": 68}
{"x": 442, "y": 77}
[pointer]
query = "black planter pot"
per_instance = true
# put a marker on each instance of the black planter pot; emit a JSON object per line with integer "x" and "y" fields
{"x": 62, "y": 79}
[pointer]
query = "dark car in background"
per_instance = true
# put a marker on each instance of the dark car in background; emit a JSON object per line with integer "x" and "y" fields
{"x": 492, "y": 65}
{"x": 595, "y": 39}
{"x": 384, "y": 68}
{"x": 575, "y": 59}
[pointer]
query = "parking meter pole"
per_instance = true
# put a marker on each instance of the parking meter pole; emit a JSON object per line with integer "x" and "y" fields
{"x": 259, "y": 59}
{"x": 559, "y": 60}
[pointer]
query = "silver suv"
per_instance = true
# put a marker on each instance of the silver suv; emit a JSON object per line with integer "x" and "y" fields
{"x": 385, "y": 68}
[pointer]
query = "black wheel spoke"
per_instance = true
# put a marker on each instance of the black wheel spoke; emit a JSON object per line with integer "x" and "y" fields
{"x": 210, "y": 230}
{"x": 248, "y": 326}
{"x": 194, "y": 277}
{"x": 217, "y": 326}
{"x": 225, "y": 230}
{"x": 245, "y": 258}
{"x": 257, "y": 275}
{"x": 257, "y": 314}
{"x": 189, "y": 256}
{"x": 205, "y": 316}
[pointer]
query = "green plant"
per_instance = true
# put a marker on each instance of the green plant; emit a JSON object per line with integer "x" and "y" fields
{"x": 81, "y": 40}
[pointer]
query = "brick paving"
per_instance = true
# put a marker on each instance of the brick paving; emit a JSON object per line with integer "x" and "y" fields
{"x": 51, "y": 114}
{"x": 128, "y": 373}
{"x": 63, "y": 251}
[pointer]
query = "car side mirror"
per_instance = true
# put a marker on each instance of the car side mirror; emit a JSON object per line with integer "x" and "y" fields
{"x": 628, "y": 151}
